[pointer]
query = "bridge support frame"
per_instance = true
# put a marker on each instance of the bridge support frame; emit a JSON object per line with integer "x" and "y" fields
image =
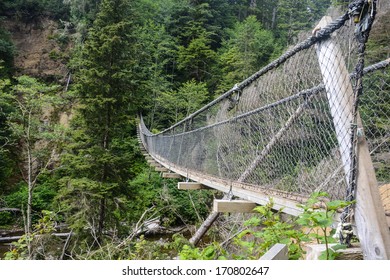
{"x": 191, "y": 186}
{"x": 372, "y": 229}
{"x": 171, "y": 176}
{"x": 233, "y": 206}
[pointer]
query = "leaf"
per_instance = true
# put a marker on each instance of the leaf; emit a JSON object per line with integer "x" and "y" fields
{"x": 337, "y": 204}
{"x": 254, "y": 221}
{"x": 209, "y": 252}
{"x": 338, "y": 247}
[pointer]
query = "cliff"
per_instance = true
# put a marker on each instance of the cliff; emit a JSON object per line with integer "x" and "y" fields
{"x": 41, "y": 48}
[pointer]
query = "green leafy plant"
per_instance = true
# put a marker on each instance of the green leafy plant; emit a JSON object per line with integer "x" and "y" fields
{"x": 320, "y": 222}
{"x": 273, "y": 230}
{"x": 213, "y": 251}
{"x": 29, "y": 244}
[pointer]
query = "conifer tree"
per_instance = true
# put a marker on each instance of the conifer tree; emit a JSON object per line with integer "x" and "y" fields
{"x": 248, "y": 49}
{"x": 97, "y": 165}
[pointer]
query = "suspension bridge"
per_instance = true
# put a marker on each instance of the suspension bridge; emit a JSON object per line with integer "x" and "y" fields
{"x": 313, "y": 120}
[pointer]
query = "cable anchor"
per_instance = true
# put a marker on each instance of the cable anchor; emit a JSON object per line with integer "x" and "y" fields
{"x": 230, "y": 193}
{"x": 362, "y": 13}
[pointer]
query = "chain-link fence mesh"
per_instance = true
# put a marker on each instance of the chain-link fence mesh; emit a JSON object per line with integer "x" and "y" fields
{"x": 288, "y": 127}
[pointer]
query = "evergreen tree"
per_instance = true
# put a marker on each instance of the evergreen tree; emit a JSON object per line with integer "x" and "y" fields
{"x": 199, "y": 27}
{"x": 176, "y": 105}
{"x": 97, "y": 166}
{"x": 156, "y": 55}
{"x": 295, "y": 16}
{"x": 6, "y": 108}
{"x": 249, "y": 48}
{"x": 197, "y": 58}
{"x": 7, "y": 52}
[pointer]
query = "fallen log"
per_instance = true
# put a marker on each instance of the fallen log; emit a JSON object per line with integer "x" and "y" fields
{"x": 10, "y": 210}
{"x": 8, "y": 239}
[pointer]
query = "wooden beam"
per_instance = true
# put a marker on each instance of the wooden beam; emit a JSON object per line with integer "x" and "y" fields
{"x": 339, "y": 92}
{"x": 150, "y": 161}
{"x": 385, "y": 196}
{"x": 372, "y": 228}
{"x": 154, "y": 164}
{"x": 233, "y": 206}
{"x": 171, "y": 176}
{"x": 277, "y": 252}
{"x": 161, "y": 169}
{"x": 314, "y": 251}
{"x": 191, "y": 186}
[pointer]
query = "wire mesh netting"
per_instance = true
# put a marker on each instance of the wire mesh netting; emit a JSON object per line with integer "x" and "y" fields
{"x": 288, "y": 127}
{"x": 375, "y": 113}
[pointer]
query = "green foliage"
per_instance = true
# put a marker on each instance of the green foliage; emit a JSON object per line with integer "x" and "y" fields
{"x": 249, "y": 47}
{"x": 197, "y": 58}
{"x": 97, "y": 160}
{"x": 332, "y": 252}
{"x": 42, "y": 197}
{"x": 29, "y": 10}
{"x": 6, "y": 139}
{"x": 180, "y": 207}
{"x": 144, "y": 192}
{"x": 176, "y": 105}
{"x": 7, "y": 52}
{"x": 297, "y": 15}
{"x": 20, "y": 250}
{"x": 31, "y": 98}
{"x": 56, "y": 9}
{"x": 267, "y": 228}
{"x": 36, "y": 137}
{"x": 5, "y": 218}
{"x": 341, "y": 3}
{"x": 149, "y": 250}
{"x": 156, "y": 53}
{"x": 37, "y": 244}
{"x": 322, "y": 220}
{"x": 211, "y": 252}
{"x": 255, "y": 242}
{"x": 77, "y": 202}
{"x": 82, "y": 11}
{"x": 187, "y": 251}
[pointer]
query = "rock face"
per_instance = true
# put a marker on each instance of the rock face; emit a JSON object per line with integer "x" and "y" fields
{"x": 41, "y": 50}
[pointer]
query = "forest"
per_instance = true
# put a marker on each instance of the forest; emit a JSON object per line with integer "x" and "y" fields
{"x": 69, "y": 156}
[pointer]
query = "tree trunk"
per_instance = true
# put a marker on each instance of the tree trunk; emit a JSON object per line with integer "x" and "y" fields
{"x": 253, "y": 4}
{"x": 105, "y": 145}
{"x": 273, "y": 23}
{"x": 30, "y": 191}
{"x": 30, "y": 187}
{"x": 204, "y": 228}
{"x": 102, "y": 214}
{"x": 206, "y": 225}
